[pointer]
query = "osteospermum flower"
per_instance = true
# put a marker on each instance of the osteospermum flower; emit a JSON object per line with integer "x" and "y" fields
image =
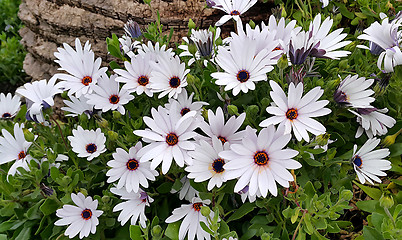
{"x": 184, "y": 104}
{"x": 260, "y": 161}
{"x": 108, "y": 96}
{"x": 354, "y": 91}
{"x": 387, "y": 38}
{"x": 169, "y": 138}
{"x": 373, "y": 121}
{"x": 9, "y": 105}
{"x": 127, "y": 168}
{"x": 226, "y": 132}
{"x": 82, "y": 218}
{"x": 233, "y": 8}
{"x": 168, "y": 76}
{"x": 207, "y": 165}
{"x": 78, "y": 106}
{"x": 369, "y": 164}
{"x": 242, "y": 66}
{"x": 40, "y": 96}
{"x": 128, "y": 46}
{"x": 87, "y": 143}
{"x": 14, "y": 148}
{"x": 136, "y": 75}
{"x": 186, "y": 191}
{"x": 192, "y": 218}
{"x": 155, "y": 52}
{"x": 133, "y": 208}
{"x": 281, "y": 31}
{"x": 84, "y": 71}
{"x": 296, "y": 112}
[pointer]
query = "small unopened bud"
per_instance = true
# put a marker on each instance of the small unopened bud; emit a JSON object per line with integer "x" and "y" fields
{"x": 30, "y": 137}
{"x": 322, "y": 139}
{"x": 112, "y": 135}
{"x": 386, "y": 201}
{"x": 191, "y": 79}
{"x": 105, "y": 199}
{"x": 64, "y": 95}
{"x": 156, "y": 232}
{"x": 116, "y": 115}
{"x": 283, "y": 13}
{"x": 103, "y": 123}
{"x": 344, "y": 64}
{"x": 205, "y": 211}
{"x": 191, "y": 24}
{"x": 346, "y": 195}
{"x": 84, "y": 191}
{"x": 204, "y": 114}
{"x": 252, "y": 24}
{"x": 283, "y": 62}
{"x": 265, "y": 103}
{"x": 232, "y": 109}
{"x": 83, "y": 117}
{"x": 218, "y": 41}
{"x": 265, "y": 236}
{"x": 252, "y": 111}
{"x": 192, "y": 48}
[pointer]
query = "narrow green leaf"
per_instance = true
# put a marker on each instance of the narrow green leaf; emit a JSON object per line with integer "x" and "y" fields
{"x": 374, "y": 193}
{"x": 370, "y": 233}
{"x": 243, "y": 210}
{"x": 49, "y": 206}
{"x": 367, "y": 206}
{"x": 172, "y": 231}
{"x": 312, "y": 162}
{"x": 206, "y": 228}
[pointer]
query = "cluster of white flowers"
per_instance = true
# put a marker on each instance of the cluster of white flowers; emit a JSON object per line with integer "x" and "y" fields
{"x": 209, "y": 147}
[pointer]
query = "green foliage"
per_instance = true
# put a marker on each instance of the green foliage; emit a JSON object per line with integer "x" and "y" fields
{"x": 12, "y": 53}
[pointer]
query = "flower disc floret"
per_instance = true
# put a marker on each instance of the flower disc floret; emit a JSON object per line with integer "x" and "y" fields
{"x": 86, "y": 80}
{"x": 86, "y": 214}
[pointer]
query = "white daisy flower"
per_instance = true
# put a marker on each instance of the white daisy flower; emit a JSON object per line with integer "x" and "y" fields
{"x": 15, "y": 148}
{"x": 187, "y": 191}
{"x": 373, "y": 121}
{"x": 245, "y": 193}
{"x": 326, "y": 43}
{"x": 324, "y": 3}
{"x": 129, "y": 171}
{"x": 78, "y": 106}
{"x": 169, "y": 138}
{"x": 39, "y": 95}
{"x": 9, "y": 105}
{"x": 136, "y": 75}
{"x": 184, "y": 104}
{"x": 233, "y": 8}
{"x": 168, "y": 76}
{"x": 207, "y": 164}
{"x": 387, "y": 37}
{"x": 83, "y": 70}
{"x": 281, "y": 31}
{"x": 204, "y": 41}
{"x": 87, "y": 143}
{"x": 192, "y": 218}
{"x": 369, "y": 164}
{"x": 82, "y": 218}
{"x": 242, "y": 66}
{"x": 108, "y": 96}
{"x": 300, "y": 47}
{"x": 134, "y": 208}
{"x": 260, "y": 161}
{"x": 296, "y": 112}
{"x": 155, "y": 52}
{"x": 128, "y": 46}
{"x": 226, "y": 132}
{"x": 354, "y": 91}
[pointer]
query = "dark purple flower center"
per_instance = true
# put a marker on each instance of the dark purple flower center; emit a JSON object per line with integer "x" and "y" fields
{"x": 172, "y": 139}
{"x": 90, "y": 148}
{"x": 291, "y": 114}
{"x": 86, "y": 214}
{"x": 217, "y": 165}
{"x": 174, "y": 82}
{"x": 132, "y": 164}
{"x": 242, "y": 76}
{"x": 261, "y": 158}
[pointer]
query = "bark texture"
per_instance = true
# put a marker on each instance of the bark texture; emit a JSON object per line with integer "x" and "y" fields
{"x": 49, "y": 23}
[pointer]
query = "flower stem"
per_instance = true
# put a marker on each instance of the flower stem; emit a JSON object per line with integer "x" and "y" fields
{"x": 298, "y": 226}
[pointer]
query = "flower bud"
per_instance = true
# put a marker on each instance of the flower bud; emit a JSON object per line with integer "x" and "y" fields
{"x": 64, "y": 95}
{"x": 116, "y": 115}
{"x": 205, "y": 211}
{"x": 322, "y": 139}
{"x": 283, "y": 62}
{"x": 265, "y": 236}
{"x": 112, "y": 135}
{"x": 30, "y": 137}
{"x": 191, "y": 24}
{"x": 252, "y": 111}
{"x": 390, "y": 139}
{"x": 265, "y": 103}
{"x": 156, "y": 232}
{"x": 105, "y": 199}
{"x": 103, "y": 123}
{"x": 83, "y": 117}
{"x": 218, "y": 41}
{"x": 386, "y": 201}
{"x": 232, "y": 109}
{"x": 192, "y": 80}
{"x": 346, "y": 195}
{"x": 192, "y": 48}
{"x": 343, "y": 64}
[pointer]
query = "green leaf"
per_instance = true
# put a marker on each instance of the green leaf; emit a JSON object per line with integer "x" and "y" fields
{"x": 367, "y": 206}
{"x": 114, "y": 65}
{"x": 309, "y": 189}
{"x": 3, "y": 237}
{"x": 307, "y": 222}
{"x": 243, "y": 210}
{"x": 49, "y": 206}
{"x": 165, "y": 187}
{"x": 395, "y": 149}
{"x": 345, "y": 12}
{"x": 311, "y": 161}
{"x": 135, "y": 232}
{"x": 206, "y": 228}
{"x": 333, "y": 228}
{"x": 172, "y": 231}
{"x": 295, "y": 216}
{"x": 370, "y": 233}
{"x": 54, "y": 172}
{"x": 25, "y": 233}
{"x": 223, "y": 228}
{"x": 374, "y": 193}
{"x": 114, "y": 51}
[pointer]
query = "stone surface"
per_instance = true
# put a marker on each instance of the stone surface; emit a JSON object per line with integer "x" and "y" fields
{"x": 49, "y": 23}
